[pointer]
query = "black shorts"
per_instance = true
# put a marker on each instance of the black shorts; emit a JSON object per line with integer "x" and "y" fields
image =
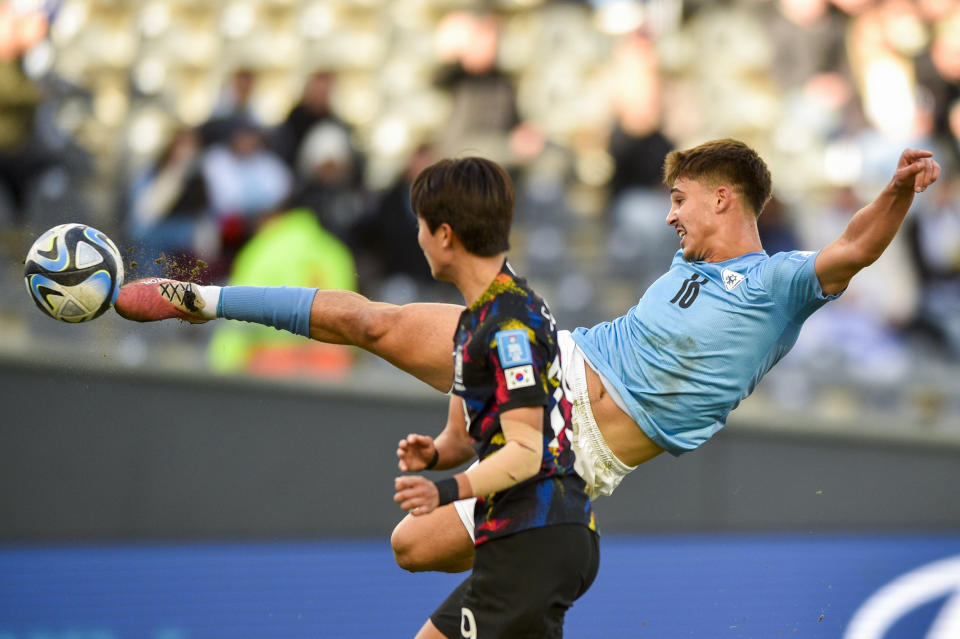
{"x": 522, "y": 585}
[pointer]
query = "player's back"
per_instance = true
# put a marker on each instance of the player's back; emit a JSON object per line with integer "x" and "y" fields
{"x": 506, "y": 356}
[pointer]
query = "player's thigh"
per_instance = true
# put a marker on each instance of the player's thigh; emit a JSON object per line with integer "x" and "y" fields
{"x": 436, "y": 541}
{"x": 416, "y": 338}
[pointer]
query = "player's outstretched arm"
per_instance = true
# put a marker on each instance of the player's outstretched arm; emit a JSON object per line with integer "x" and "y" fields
{"x": 874, "y": 226}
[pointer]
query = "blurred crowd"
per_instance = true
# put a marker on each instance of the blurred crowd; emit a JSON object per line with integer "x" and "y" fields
{"x": 262, "y": 142}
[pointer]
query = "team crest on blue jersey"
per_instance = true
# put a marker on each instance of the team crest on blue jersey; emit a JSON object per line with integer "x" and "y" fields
{"x": 731, "y": 279}
{"x": 513, "y": 346}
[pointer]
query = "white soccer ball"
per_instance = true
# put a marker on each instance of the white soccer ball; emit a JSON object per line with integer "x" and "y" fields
{"x": 73, "y": 272}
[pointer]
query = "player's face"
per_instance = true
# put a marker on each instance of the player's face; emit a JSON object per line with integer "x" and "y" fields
{"x": 691, "y": 214}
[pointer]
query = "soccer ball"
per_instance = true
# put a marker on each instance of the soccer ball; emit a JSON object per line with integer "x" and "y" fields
{"x": 73, "y": 272}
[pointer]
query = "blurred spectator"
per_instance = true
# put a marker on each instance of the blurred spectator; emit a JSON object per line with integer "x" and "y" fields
{"x": 809, "y": 37}
{"x": 244, "y": 181}
{"x": 290, "y": 249}
{"x": 325, "y": 179}
{"x": 235, "y": 104}
{"x": 639, "y": 244}
{"x": 169, "y": 208}
{"x": 22, "y": 158}
{"x": 638, "y": 160}
{"x": 385, "y": 241}
{"x": 484, "y": 97}
{"x": 933, "y": 232}
{"x": 636, "y": 144}
{"x": 944, "y": 95}
{"x": 312, "y": 110}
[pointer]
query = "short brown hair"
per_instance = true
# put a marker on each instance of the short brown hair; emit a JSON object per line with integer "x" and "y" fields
{"x": 473, "y": 195}
{"x": 718, "y": 161}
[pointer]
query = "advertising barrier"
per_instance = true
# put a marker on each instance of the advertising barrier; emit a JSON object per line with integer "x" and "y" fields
{"x": 664, "y": 586}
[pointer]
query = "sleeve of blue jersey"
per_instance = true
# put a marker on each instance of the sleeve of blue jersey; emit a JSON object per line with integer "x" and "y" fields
{"x": 791, "y": 278}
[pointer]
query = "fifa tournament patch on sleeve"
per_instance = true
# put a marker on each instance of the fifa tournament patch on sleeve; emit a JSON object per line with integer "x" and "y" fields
{"x": 513, "y": 346}
{"x": 519, "y": 377}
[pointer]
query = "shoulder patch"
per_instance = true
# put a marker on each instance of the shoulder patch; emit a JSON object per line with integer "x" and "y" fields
{"x": 519, "y": 377}
{"x": 731, "y": 279}
{"x": 513, "y": 346}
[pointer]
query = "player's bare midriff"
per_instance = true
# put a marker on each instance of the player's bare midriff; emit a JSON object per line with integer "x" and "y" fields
{"x": 630, "y": 444}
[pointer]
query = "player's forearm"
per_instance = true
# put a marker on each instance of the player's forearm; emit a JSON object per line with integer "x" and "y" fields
{"x": 452, "y": 451}
{"x": 519, "y": 459}
{"x": 512, "y": 464}
{"x": 874, "y": 226}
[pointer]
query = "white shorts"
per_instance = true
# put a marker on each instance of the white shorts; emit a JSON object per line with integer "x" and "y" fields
{"x": 595, "y": 462}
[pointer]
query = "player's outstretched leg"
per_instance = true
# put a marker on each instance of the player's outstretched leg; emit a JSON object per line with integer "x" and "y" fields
{"x": 416, "y": 338}
{"x": 437, "y": 541}
{"x": 152, "y": 299}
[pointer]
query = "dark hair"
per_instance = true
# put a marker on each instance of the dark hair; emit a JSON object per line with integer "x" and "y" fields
{"x": 725, "y": 160}
{"x": 473, "y": 195}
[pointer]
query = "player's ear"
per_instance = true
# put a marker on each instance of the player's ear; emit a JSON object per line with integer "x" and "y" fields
{"x": 723, "y": 198}
{"x": 445, "y": 235}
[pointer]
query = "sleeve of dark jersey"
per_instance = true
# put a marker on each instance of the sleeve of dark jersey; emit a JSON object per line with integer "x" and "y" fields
{"x": 519, "y": 360}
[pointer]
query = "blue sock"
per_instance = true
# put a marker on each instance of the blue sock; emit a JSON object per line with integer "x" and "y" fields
{"x": 281, "y": 307}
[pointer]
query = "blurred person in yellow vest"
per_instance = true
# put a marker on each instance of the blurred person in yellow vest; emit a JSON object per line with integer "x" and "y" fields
{"x": 290, "y": 249}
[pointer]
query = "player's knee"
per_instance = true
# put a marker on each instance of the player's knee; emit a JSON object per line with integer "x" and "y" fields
{"x": 407, "y": 548}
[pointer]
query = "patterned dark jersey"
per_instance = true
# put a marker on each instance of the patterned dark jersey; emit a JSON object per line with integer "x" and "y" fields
{"x": 506, "y": 356}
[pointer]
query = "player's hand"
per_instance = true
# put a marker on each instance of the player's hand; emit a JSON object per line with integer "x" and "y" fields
{"x": 416, "y": 494}
{"x": 916, "y": 170}
{"x": 415, "y": 452}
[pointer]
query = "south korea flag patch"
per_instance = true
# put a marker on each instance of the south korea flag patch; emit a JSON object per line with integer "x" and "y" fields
{"x": 513, "y": 348}
{"x": 519, "y": 377}
{"x": 731, "y": 279}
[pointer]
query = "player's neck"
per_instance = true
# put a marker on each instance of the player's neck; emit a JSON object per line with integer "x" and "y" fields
{"x": 733, "y": 241}
{"x": 473, "y": 275}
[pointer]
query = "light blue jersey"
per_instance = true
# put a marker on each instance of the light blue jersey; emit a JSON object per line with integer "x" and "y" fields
{"x": 701, "y": 338}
